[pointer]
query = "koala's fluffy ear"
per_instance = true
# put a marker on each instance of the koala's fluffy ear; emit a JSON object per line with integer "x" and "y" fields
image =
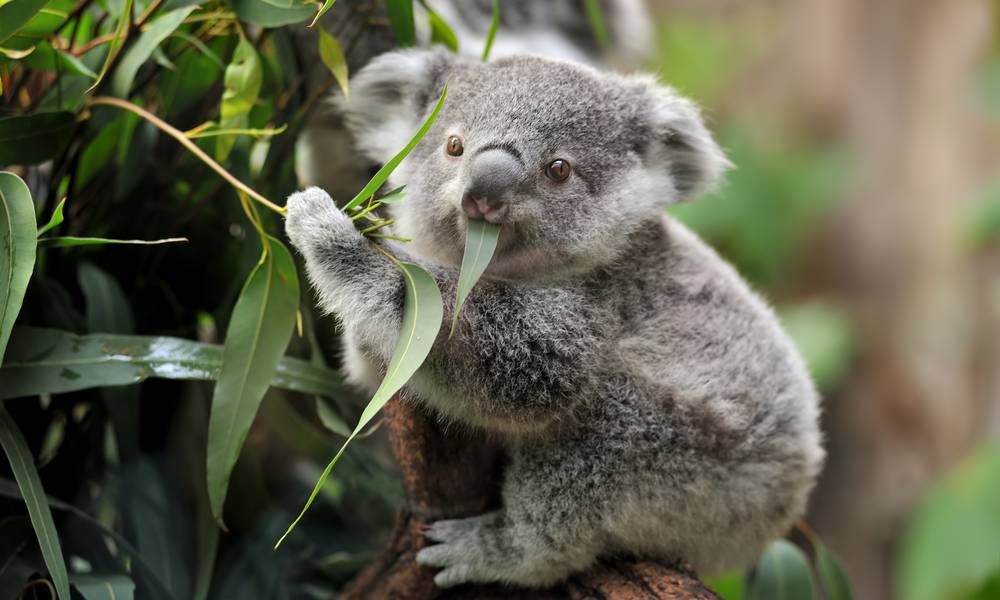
{"x": 681, "y": 143}
{"x": 391, "y": 96}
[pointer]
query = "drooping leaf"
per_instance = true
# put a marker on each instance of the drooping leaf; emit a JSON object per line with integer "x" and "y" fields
{"x": 31, "y": 139}
{"x": 69, "y": 241}
{"x": 441, "y": 32}
{"x": 243, "y": 79}
{"x": 22, "y": 464}
{"x": 401, "y": 19}
{"x": 138, "y": 54}
{"x": 832, "y": 577}
{"x": 17, "y": 250}
{"x": 121, "y": 32}
{"x": 480, "y": 244}
{"x": 333, "y": 57}
{"x": 494, "y": 25}
{"x": 15, "y": 14}
{"x": 952, "y": 544}
{"x": 259, "y": 331}
{"x": 104, "y": 587}
{"x": 376, "y": 182}
{"x": 422, "y": 314}
{"x": 50, "y": 361}
{"x": 781, "y": 574}
{"x": 55, "y": 220}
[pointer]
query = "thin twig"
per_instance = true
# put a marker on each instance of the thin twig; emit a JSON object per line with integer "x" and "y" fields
{"x": 191, "y": 146}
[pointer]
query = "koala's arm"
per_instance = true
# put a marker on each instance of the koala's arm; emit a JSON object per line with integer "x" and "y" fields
{"x": 519, "y": 353}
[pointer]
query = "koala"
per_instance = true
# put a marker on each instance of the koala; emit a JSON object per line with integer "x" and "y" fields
{"x": 649, "y": 401}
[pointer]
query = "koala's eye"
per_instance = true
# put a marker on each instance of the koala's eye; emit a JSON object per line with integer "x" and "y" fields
{"x": 454, "y": 147}
{"x": 558, "y": 170}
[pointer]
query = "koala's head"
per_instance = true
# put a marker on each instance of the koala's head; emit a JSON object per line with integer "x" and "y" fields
{"x": 569, "y": 160}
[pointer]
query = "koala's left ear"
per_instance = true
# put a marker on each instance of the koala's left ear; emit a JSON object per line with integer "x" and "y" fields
{"x": 681, "y": 143}
{"x": 391, "y": 96}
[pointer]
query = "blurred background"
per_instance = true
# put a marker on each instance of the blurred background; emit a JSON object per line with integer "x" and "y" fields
{"x": 865, "y": 205}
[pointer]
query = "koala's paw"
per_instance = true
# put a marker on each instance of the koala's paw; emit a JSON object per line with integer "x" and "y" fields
{"x": 468, "y": 550}
{"x": 313, "y": 220}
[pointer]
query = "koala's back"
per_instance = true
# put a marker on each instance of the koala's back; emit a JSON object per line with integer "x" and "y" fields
{"x": 703, "y": 426}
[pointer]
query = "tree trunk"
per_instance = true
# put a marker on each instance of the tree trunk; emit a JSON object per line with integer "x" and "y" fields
{"x": 456, "y": 474}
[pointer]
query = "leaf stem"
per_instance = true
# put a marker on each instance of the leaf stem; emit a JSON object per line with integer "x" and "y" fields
{"x": 191, "y": 146}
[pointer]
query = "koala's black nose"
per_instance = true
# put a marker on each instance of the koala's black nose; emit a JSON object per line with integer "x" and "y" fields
{"x": 494, "y": 173}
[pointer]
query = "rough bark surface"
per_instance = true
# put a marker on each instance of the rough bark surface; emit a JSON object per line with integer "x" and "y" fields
{"x": 451, "y": 474}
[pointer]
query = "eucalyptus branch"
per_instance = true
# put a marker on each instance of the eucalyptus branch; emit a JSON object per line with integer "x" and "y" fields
{"x": 191, "y": 146}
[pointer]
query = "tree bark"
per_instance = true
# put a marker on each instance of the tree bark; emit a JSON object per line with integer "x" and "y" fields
{"x": 454, "y": 474}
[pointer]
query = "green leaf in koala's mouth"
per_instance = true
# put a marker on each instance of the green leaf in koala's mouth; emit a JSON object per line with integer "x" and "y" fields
{"x": 480, "y": 244}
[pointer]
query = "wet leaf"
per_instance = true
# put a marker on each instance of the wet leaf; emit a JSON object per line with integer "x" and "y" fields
{"x": 422, "y": 314}
{"x": 259, "y": 331}
{"x": 138, "y": 54}
{"x": 333, "y": 57}
{"x": 17, "y": 250}
{"x": 480, "y": 244}
{"x": 22, "y": 464}
{"x": 781, "y": 574}
{"x": 50, "y": 361}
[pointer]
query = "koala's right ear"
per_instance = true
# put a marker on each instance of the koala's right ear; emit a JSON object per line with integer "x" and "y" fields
{"x": 391, "y": 96}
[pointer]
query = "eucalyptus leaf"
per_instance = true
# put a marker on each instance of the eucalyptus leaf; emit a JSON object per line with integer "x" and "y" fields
{"x": 266, "y": 14}
{"x": 422, "y": 314}
{"x": 55, "y": 220}
{"x": 480, "y": 244}
{"x": 50, "y": 361}
{"x": 393, "y": 196}
{"x": 243, "y": 80}
{"x": 35, "y": 138}
{"x": 401, "y": 19}
{"x": 598, "y": 24}
{"x": 69, "y": 241}
{"x": 327, "y": 5}
{"x": 783, "y": 573}
{"x": 494, "y": 25}
{"x": 23, "y": 466}
{"x": 150, "y": 39}
{"x": 121, "y": 32}
{"x": 104, "y": 587}
{"x": 441, "y": 32}
{"x": 832, "y": 577}
{"x": 47, "y": 58}
{"x": 259, "y": 331}
{"x": 376, "y": 182}
{"x": 10, "y": 490}
{"x": 17, "y": 250}
{"x": 333, "y": 57}
{"x": 952, "y": 544}
{"x": 15, "y": 14}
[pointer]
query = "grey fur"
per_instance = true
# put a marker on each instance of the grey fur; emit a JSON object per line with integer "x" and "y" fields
{"x": 649, "y": 400}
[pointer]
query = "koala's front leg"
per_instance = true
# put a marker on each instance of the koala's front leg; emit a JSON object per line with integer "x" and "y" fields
{"x": 353, "y": 279}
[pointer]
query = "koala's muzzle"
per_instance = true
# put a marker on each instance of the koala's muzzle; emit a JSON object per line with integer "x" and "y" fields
{"x": 493, "y": 176}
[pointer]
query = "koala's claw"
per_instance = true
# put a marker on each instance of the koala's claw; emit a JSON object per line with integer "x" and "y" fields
{"x": 459, "y": 552}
